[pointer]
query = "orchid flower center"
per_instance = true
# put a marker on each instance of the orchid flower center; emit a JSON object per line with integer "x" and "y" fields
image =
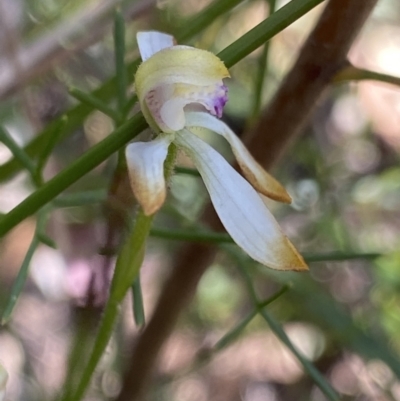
{"x": 166, "y": 103}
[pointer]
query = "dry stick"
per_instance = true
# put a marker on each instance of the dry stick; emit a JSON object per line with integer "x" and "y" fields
{"x": 323, "y": 54}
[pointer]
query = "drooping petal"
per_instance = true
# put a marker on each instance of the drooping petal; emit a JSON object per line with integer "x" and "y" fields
{"x": 240, "y": 208}
{"x": 145, "y": 162}
{"x": 174, "y": 77}
{"x": 252, "y": 170}
{"x": 151, "y": 42}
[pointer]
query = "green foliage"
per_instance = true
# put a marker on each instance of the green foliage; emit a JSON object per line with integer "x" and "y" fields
{"x": 329, "y": 240}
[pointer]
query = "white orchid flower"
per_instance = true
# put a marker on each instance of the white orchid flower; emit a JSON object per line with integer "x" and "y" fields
{"x": 3, "y": 382}
{"x": 168, "y": 83}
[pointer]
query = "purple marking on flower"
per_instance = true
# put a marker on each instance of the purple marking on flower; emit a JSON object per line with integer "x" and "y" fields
{"x": 220, "y": 100}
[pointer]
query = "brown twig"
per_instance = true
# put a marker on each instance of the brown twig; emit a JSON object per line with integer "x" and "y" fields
{"x": 323, "y": 54}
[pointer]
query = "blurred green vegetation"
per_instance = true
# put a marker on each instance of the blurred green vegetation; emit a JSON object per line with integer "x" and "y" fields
{"x": 343, "y": 174}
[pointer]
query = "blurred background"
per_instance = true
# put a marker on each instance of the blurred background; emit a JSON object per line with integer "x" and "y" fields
{"x": 343, "y": 174}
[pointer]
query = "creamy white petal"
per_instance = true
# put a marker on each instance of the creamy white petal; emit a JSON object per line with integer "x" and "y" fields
{"x": 151, "y": 42}
{"x": 240, "y": 208}
{"x": 145, "y": 162}
{"x": 262, "y": 181}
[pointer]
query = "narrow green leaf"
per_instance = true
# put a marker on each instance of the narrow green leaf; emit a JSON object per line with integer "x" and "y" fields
{"x": 262, "y": 70}
{"x": 106, "y": 92}
{"x": 19, "y": 283}
{"x": 129, "y": 105}
{"x": 119, "y": 51}
{"x": 337, "y": 256}
{"x": 319, "y": 380}
{"x": 138, "y": 306}
{"x": 200, "y": 21}
{"x": 48, "y": 147}
{"x": 352, "y": 73}
{"x": 264, "y": 31}
{"x": 95, "y": 103}
{"x": 45, "y": 239}
{"x": 127, "y": 268}
{"x": 190, "y": 235}
{"x": 92, "y": 158}
{"x": 233, "y": 334}
{"x": 274, "y": 297}
{"x": 85, "y": 320}
{"x": 80, "y": 198}
{"x": 18, "y": 153}
{"x": 132, "y": 127}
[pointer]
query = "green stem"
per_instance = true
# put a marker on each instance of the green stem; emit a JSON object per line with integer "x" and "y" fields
{"x": 126, "y": 270}
{"x": 18, "y": 153}
{"x": 264, "y": 31}
{"x": 119, "y": 50}
{"x": 319, "y": 380}
{"x": 92, "y": 158}
{"x": 336, "y": 256}
{"x": 95, "y": 103}
{"x": 262, "y": 70}
{"x": 352, "y": 73}
{"x": 186, "y": 235}
{"x": 24, "y": 270}
{"x": 100, "y": 152}
{"x": 106, "y": 92}
{"x": 48, "y": 147}
{"x": 138, "y": 306}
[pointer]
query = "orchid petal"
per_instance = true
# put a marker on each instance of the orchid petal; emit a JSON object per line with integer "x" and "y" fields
{"x": 240, "y": 208}
{"x": 252, "y": 170}
{"x": 145, "y": 162}
{"x": 174, "y": 77}
{"x": 151, "y": 42}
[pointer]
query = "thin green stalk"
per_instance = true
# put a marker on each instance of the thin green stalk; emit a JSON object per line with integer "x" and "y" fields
{"x": 264, "y": 31}
{"x": 18, "y": 153}
{"x": 46, "y": 240}
{"x": 119, "y": 51}
{"x": 83, "y": 339}
{"x": 19, "y": 283}
{"x": 336, "y": 256}
{"x": 126, "y": 270}
{"x": 203, "y": 19}
{"x": 261, "y": 305}
{"x": 190, "y": 235}
{"x": 129, "y": 105}
{"x": 92, "y": 158}
{"x": 100, "y": 152}
{"x": 127, "y": 267}
{"x": 50, "y": 144}
{"x": 80, "y": 198}
{"x": 95, "y": 103}
{"x": 262, "y": 70}
{"x": 352, "y": 73}
{"x": 233, "y": 334}
{"x": 319, "y": 380}
{"x": 138, "y": 306}
{"x": 106, "y": 92}
{"x": 24, "y": 269}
